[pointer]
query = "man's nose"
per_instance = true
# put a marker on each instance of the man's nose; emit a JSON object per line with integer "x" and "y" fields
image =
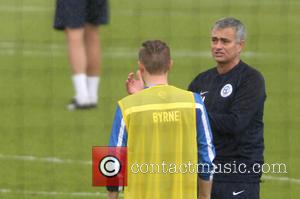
{"x": 218, "y": 45}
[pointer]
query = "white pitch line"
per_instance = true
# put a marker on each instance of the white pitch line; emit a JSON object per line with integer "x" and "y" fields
{"x": 132, "y": 12}
{"x": 5, "y": 190}
{"x": 25, "y": 8}
{"x": 54, "y": 193}
{"x": 53, "y": 49}
{"x": 11, "y": 48}
{"x": 282, "y": 179}
{"x": 57, "y": 50}
{"x": 116, "y": 55}
{"x": 15, "y": 44}
{"x": 54, "y": 160}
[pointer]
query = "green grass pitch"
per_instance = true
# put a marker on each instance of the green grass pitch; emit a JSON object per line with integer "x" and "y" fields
{"x": 45, "y": 150}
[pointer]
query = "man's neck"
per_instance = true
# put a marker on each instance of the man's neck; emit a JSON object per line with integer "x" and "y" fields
{"x": 152, "y": 80}
{"x": 224, "y": 68}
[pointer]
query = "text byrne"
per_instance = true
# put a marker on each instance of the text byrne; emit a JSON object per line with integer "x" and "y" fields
{"x": 166, "y": 116}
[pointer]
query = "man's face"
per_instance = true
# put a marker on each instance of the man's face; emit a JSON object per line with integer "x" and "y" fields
{"x": 225, "y": 48}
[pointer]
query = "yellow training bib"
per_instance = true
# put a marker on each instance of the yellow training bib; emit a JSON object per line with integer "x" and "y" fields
{"x": 162, "y": 143}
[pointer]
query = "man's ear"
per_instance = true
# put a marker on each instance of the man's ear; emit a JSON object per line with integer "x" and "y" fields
{"x": 141, "y": 66}
{"x": 242, "y": 45}
{"x": 171, "y": 64}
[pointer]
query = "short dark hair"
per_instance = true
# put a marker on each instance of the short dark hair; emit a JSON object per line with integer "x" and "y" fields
{"x": 155, "y": 56}
{"x": 230, "y": 22}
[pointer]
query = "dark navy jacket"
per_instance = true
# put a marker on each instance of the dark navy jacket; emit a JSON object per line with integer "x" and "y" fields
{"x": 235, "y": 103}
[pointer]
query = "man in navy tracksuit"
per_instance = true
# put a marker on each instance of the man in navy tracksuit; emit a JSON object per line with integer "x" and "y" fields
{"x": 234, "y": 95}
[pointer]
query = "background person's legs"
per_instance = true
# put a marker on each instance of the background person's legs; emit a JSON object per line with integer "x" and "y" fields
{"x": 80, "y": 20}
{"x": 78, "y": 61}
{"x": 93, "y": 56}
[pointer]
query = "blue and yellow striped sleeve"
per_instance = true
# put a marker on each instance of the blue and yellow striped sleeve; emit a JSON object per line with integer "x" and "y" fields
{"x": 206, "y": 149}
{"x": 118, "y": 136}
